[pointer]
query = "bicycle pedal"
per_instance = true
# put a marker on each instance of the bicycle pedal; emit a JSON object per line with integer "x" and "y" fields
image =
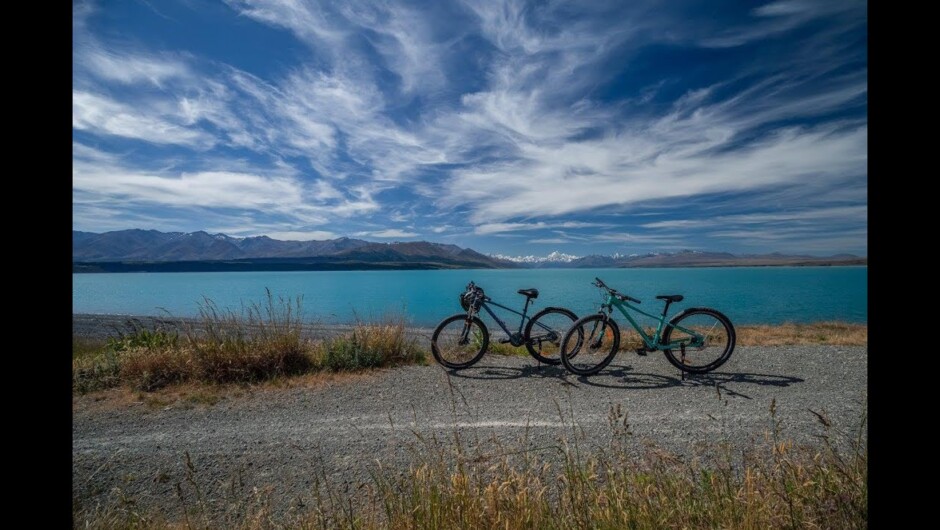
{"x": 641, "y": 352}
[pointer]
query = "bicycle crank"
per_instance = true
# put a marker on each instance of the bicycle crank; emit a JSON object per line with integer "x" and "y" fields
{"x": 515, "y": 339}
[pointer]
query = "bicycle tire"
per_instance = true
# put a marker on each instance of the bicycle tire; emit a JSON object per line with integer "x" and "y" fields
{"x": 536, "y": 345}
{"x": 709, "y": 319}
{"x": 595, "y": 341}
{"x": 477, "y": 346}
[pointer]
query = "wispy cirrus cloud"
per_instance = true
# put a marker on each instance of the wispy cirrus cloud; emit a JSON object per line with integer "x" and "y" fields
{"x": 775, "y": 18}
{"x": 624, "y": 125}
{"x": 99, "y": 114}
{"x": 102, "y": 180}
{"x": 858, "y": 214}
{"x": 388, "y": 233}
{"x": 131, "y": 68}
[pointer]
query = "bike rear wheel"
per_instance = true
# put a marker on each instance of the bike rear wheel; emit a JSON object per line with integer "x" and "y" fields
{"x": 544, "y": 332}
{"x": 590, "y": 344}
{"x": 709, "y": 336}
{"x": 458, "y": 342}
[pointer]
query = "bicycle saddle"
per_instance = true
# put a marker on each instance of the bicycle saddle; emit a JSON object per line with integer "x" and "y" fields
{"x": 529, "y": 293}
{"x": 670, "y": 297}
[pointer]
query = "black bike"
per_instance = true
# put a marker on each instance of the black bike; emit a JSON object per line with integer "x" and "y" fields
{"x": 461, "y": 340}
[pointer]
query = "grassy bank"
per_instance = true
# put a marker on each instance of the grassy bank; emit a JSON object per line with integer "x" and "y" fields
{"x": 773, "y": 483}
{"x": 258, "y": 343}
{"x": 265, "y": 342}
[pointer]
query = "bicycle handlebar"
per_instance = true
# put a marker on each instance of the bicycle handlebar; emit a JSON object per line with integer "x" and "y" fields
{"x": 600, "y": 283}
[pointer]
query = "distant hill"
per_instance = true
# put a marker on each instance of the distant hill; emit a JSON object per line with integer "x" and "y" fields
{"x": 724, "y": 259}
{"x": 694, "y": 258}
{"x": 152, "y": 250}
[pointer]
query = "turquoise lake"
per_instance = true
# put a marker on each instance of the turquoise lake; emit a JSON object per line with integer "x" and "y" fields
{"x": 747, "y": 295}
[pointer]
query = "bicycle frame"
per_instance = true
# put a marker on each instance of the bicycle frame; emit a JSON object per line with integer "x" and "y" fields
{"x": 487, "y": 300}
{"x": 653, "y": 342}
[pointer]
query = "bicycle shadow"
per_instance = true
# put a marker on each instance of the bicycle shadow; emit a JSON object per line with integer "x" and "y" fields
{"x": 482, "y": 371}
{"x": 624, "y": 377}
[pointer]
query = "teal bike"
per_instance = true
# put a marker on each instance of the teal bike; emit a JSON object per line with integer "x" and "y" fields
{"x": 696, "y": 340}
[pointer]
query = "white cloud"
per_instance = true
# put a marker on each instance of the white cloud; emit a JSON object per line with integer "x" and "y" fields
{"x": 101, "y": 115}
{"x": 211, "y": 189}
{"x": 401, "y": 35}
{"x": 778, "y": 17}
{"x": 306, "y": 19}
{"x": 323, "y": 191}
{"x": 99, "y": 177}
{"x": 623, "y": 170}
{"x": 624, "y": 237}
{"x": 858, "y": 213}
{"x": 388, "y": 233}
{"x": 130, "y": 68}
{"x": 314, "y": 235}
{"x": 493, "y": 228}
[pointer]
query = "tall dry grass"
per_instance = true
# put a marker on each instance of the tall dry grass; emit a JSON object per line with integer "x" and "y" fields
{"x": 371, "y": 345}
{"x": 836, "y": 333}
{"x": 259, "y": 342}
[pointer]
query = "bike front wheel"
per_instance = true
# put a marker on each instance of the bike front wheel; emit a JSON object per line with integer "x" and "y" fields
{"x": 707, "y": 336}
{"x": 544, "y": 332}
{"x": 459, "y": 342}
{"x": 590, "y": 344}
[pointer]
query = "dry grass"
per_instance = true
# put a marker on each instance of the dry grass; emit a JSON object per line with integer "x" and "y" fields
{"x": 85, "y": 346}
{"x": 370, "y": 345}
{"x": 787, "y": 334}
{"x": 262, "y": 342}
{"x": 774, "y": 484}
{"x": 839, "y": 333}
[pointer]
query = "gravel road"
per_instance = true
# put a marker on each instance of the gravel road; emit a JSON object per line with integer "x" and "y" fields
{"x": 285, "y": 438}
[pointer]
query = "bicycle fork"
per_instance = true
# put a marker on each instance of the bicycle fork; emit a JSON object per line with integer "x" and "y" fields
{"x": 465, "y": 335}
{"x": 597, "y": 342}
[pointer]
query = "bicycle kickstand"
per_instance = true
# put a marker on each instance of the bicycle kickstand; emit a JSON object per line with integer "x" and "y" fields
{"x": 682, "y": 349}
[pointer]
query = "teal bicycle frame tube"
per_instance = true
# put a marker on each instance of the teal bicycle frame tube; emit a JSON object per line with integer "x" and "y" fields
{"x": 654, "y": 342}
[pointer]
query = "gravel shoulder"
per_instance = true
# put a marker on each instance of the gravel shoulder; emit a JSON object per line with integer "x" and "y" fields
{"x": 341, "y": 430}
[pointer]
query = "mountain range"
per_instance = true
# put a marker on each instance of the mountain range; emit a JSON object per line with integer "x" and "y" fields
{"x": 152, "y": 250}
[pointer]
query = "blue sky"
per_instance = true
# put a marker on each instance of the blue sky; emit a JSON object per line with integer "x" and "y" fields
{"x": 506, "y": 126}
